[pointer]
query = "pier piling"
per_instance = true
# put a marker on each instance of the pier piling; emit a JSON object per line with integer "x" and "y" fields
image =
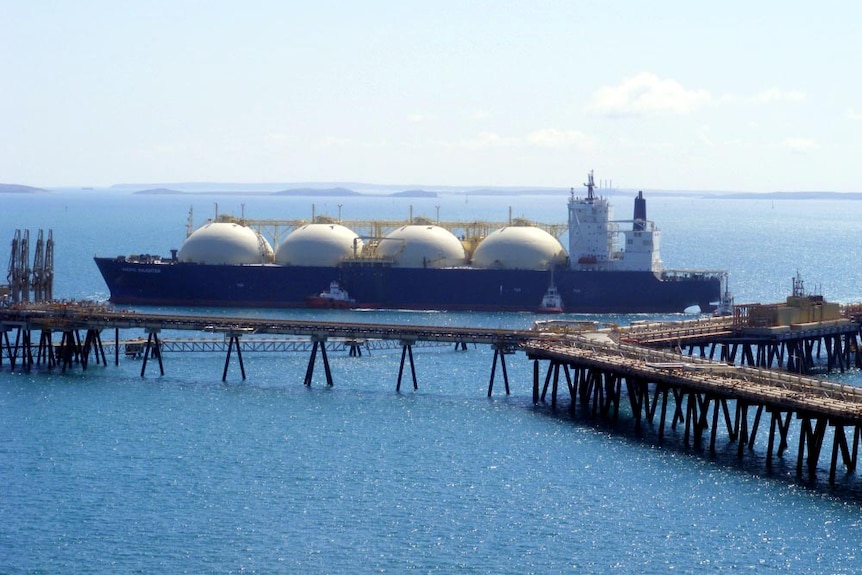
{"x": 233, "y": 338}
{"x": 318, "y": 342}
{"x": 600, "y": 370}
{"x": 153, "y": 349}
{"x": 407, "y": 351}
{"x": 500, "y": 352}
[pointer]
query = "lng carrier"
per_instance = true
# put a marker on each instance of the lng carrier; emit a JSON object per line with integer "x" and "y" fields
{"x": 610, "y": 266}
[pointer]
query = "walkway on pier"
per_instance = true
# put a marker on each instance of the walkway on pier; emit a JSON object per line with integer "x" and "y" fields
{"x": 597, "y": 365}
{"x": 786, "y": 390}
{"x": 70, "y": 320}
{"x": 135, "y": 347}
{"x": 597, "y": 369}
{"x": 59, "y": 318}
{"x": 794, "y": 347}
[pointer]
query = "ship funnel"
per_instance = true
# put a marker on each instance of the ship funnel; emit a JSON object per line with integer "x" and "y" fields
{"x": 640, "y": 213}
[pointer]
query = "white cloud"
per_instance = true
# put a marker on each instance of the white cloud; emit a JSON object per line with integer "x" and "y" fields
{"x": 853, "y": 114}
{"x": 553, "y": 138}
{"x": 416, "y": 118}
{"x": 800, "y": 145}
{"x": 646, "y": 93}
{"x": 778, "y": 95}
{"x": 489, "y": 140}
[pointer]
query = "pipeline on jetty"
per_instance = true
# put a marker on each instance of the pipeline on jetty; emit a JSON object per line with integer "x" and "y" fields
{"x": 71, "y": 320}
{"x": 600, "y": 368}
{"x": 135, "y": 347}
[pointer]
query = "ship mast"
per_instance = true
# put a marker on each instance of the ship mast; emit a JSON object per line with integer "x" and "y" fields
{"x": 590, "y": 185}
{"x": 190, "y": 224}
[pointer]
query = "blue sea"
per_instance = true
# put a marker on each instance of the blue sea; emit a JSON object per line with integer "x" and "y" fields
{"x": 105, "y": 471}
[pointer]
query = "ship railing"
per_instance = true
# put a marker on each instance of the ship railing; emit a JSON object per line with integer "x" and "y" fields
{"x": 679, "y": 329}
{"x": 852, "y": 311}
{"x": 370, "y": 258}
{"x": 564, "y": 326}
{"x": 675, "y": 275}
{"x": 649, "y": 225}
{"x": 142, "y": 258}
{"x": 473, "y": 230}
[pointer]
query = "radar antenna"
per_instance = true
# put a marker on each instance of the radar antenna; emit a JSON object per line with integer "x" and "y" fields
{"x": 798, "y": 286}
{"x": 590, "y": 186}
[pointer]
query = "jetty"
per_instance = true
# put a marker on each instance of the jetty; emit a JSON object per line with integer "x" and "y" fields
{"x": 70, "y": 321}
{"x": 661, "y": 374}
{"x": 791, "y": 336}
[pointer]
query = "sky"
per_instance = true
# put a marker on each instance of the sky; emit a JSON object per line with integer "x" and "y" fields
{"x": 756, "y": 96}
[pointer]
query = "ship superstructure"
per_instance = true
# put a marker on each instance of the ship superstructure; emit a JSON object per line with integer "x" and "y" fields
{"x": 594, "y": 235}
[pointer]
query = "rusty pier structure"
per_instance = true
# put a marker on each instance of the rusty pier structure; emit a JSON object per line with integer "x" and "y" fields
{"x": 796, "y": 335}
{"x": 609, "y": 372}
{"x": 80, "y": 327}
{"x": 726, "y": 372}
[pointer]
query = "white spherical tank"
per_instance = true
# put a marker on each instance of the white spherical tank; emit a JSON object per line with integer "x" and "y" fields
{"x": 519, "y": 247}
{"x": 219, "y": 243}
{"x": 417, "y": 246}
{"x": 319, "y": 245}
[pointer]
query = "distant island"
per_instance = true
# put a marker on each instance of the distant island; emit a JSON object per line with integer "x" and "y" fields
{"x": 160, "y": 192}
{"x": 507, "y": 192}
{"x": 19, "y": 189}
{"x": 795, "y": 196}
{"x": 331, "y": 192}
{"x": 293, "y": 192}
{"x": 358, "y": 189}
{"x": 415, "y": 194}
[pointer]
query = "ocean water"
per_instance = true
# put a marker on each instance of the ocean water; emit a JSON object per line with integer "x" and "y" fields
{"x": 104, "y": 471}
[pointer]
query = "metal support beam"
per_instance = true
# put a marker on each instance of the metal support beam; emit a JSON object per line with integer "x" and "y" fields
{"x": 318, "y": 343}
{"x": 309, "y": 371}
{"x": 535, "y": 381}
{"x": 233, "y": 339}
{"x": 69, "y": 348}
{"x": 407, "y": 351}
{"x": 46, "y": 349}
{"x": 153, "y": 348}
{"x": 500, "y": 352}
{"x": 11, "y": 353}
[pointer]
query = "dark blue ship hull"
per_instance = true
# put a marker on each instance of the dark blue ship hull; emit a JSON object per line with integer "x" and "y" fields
{"x": 383, "y": 286}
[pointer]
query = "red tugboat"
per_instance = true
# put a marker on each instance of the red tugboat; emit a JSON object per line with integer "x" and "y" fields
{"x": 332, "y": 298}
{"x": 551, "y": 301}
